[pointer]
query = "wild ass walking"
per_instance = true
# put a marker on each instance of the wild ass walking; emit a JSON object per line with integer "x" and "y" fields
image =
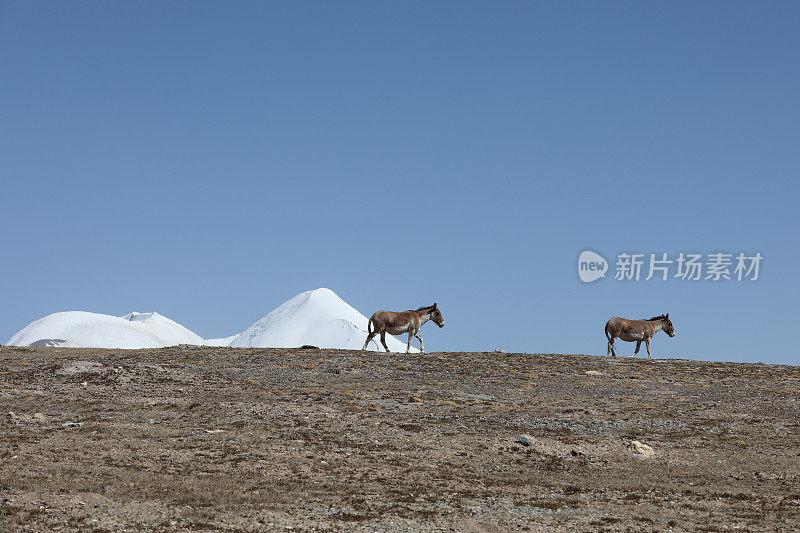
{"x": 637, "y": 330}
{"x": 384, "y": 322}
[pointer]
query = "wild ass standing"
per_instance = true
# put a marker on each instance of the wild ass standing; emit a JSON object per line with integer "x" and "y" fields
{"x": 637, "y": 330}
{"x": 384, "y": 322}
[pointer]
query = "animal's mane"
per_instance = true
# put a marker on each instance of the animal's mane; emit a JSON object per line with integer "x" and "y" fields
{"x": 423, "y": 308}
{"x": 659, "y": 317}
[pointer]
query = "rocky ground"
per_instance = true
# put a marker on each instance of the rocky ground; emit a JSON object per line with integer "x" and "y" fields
{"x": 201, "y": 438}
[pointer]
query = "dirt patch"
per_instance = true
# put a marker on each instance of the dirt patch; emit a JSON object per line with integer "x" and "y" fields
{"x": 209, "y": 438}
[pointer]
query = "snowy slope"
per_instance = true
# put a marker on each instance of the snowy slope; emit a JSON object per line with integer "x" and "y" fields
{"x": 95, "y": 330}
{"x": 317, "y": 317}
{"x": 225, "y": 341}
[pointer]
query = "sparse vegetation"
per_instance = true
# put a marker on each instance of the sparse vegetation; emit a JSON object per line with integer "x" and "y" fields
{"x": 236, "y": 439}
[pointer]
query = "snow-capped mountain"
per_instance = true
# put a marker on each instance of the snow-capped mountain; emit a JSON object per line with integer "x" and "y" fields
{"x": 317, "y": 317}
{"x": 81, "y": 329}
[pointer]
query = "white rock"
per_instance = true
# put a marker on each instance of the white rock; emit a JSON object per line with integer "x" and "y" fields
{"x": 642, "y": 449}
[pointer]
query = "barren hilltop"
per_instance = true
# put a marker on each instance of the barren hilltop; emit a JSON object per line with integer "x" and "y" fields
{"x": 227, "y": 439}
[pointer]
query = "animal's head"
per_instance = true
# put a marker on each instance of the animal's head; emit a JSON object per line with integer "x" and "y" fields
{"x": 437, "y": 317}
{"x": 669, "y": 329}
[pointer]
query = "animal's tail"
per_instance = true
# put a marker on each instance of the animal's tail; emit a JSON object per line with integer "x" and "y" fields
{"x": 613, "y": 351}
{"x": 369, "y": 326}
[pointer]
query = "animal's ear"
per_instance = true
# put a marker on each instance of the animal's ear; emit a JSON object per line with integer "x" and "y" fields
{"x": 667, "y": 316}
{"x": 435, "y": 306}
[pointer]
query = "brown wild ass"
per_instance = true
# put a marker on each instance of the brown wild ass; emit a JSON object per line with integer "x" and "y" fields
{"x": 637, "y": 330}
{"x": 384, "y": 322}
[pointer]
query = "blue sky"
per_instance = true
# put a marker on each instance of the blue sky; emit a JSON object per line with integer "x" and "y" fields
{"x": 209, "y": 160}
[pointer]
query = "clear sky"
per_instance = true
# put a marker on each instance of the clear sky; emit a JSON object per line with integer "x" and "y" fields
{"x": 209, "y": 160}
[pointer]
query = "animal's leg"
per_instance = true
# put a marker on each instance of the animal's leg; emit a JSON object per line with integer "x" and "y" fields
{"x": 638, "y": 344}
{"x": 647, "y": 342}
{"x": 421, "y": 346}
{"x": 410, "y": 336}
{"x": 369, "y": 338}
{"x": 383, "y": 340}
{"x": 611, "y": 346}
